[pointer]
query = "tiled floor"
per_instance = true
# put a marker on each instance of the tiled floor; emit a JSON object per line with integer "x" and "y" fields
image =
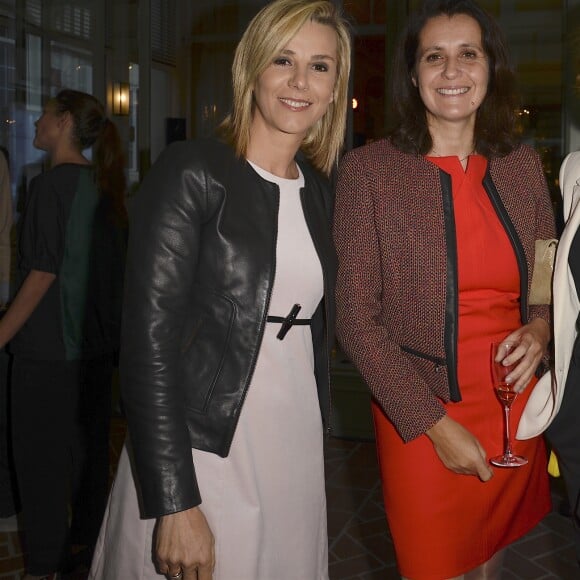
{"x": 359, "y": 542}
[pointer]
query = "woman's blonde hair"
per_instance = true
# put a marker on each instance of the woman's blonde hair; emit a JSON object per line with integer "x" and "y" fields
{"x": 269, "y": 31}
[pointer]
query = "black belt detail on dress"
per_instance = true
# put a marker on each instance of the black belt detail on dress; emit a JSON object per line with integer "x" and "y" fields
{"x": 289, "y": 321}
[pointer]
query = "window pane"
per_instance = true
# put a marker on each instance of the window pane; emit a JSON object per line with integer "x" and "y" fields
{"x": 7, "y": 70}
{"x": 33, "y": 12}
{"x": 7, "y": 77}
{"x": 73, "y": 18}
{"x": 163, "y": 31}
{"x": 33, "y": 72}
{"x": 70, "y": 68}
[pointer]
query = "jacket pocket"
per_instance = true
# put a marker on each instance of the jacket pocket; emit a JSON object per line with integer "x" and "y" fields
{"x": 437, "y": 361}
{"x": 204, "y": 344}
{"x": 432, "y": 369}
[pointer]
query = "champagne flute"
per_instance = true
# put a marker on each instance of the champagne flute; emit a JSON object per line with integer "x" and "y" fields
{"x": 506, "y": 395}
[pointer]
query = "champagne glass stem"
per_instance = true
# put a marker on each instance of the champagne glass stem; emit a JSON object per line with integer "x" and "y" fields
{"x": 508, "y": 439}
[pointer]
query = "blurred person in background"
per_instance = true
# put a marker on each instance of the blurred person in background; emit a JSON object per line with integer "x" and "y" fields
{"x": 63, "y": 325}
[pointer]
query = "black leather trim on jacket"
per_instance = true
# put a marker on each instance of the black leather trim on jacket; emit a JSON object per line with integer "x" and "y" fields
{"x": 452, "y": 291}
{"x": 452, "y": 296}
{"x": 200, "y": 270}
{"x": 504, "y": 217}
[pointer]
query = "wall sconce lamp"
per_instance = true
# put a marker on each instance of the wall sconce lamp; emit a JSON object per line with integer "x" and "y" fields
{"x": 120, "y": 98}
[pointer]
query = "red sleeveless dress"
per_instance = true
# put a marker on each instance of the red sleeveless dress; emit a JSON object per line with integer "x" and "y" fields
{"x": 444, "y": 524}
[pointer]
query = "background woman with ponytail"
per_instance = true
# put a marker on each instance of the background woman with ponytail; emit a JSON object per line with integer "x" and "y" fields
{"x": 64, "y": 324}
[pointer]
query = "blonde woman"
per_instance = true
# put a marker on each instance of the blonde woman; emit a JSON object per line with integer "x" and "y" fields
{"x": 228, "y": 324}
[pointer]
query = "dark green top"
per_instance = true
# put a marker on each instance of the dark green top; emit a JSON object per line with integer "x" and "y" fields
{"x": 67, "y": 229}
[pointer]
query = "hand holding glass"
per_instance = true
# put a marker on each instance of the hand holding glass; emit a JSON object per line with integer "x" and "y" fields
{"x": 506, "y": 395}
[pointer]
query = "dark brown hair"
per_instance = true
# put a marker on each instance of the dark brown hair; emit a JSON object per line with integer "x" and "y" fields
{"x": 495, "y": 125}
{"x": 92, "y": 128}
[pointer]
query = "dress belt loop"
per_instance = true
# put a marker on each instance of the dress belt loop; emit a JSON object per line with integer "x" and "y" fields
{"x": 289, "y": 321}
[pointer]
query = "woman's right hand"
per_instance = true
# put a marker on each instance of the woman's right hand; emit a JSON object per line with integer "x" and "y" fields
{"x": 458, "y": 449}
{"x": 185, "y": 542}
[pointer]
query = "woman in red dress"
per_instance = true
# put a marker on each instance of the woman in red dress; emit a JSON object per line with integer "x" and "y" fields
{"x": 435, "y": 229}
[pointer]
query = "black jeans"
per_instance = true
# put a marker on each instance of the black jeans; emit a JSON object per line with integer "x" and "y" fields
{"x": 92, "y": 466}
{"x": 61, "y": 413}
{"x": 9, "y": 503}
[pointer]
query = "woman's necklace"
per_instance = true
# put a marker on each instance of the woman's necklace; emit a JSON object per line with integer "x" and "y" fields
{"x": 461, "y": 159}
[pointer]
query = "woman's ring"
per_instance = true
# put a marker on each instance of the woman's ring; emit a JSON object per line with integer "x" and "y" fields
{"x": 177, "y": 576}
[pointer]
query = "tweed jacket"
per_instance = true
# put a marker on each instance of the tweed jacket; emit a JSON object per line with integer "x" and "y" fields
{"x": 397, "y": 295}
{"x": 544, "y": 403}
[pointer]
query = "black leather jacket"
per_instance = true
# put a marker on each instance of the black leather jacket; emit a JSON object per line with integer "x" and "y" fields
{"x": 200, "y": 270}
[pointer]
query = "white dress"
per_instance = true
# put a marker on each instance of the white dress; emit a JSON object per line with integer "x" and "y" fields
{"x": 265, "y": 502}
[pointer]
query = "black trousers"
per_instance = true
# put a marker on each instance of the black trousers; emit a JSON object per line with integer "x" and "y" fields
{"x": 9, "y": 503}
{"x": 61, "y": 412}
{"x": 564, "y": 437}
{"x": 92, "y": 465}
